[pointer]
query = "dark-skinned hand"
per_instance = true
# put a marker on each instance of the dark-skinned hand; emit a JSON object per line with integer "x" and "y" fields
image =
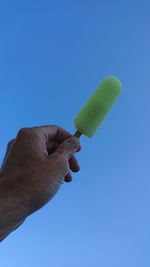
{"x": 37, "y": 162}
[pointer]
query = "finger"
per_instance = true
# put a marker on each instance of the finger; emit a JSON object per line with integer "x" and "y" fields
{"x": 68, "y": 147}
{"x": 74, "y": 165}
{"x": 58, "y": 165}
{"x": 10, "y": 145}
{"x": 53, "y": 132}
{"x": 52, "y": 146}
{"x": 68, "y": 177}
{"x": 58, "y": 162}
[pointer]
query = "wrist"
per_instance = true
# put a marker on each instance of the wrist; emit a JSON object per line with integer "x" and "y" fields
{"x": 13, "y": 208}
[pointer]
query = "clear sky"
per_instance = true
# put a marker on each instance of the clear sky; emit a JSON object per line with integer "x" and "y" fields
{"x": 52, "y": 56}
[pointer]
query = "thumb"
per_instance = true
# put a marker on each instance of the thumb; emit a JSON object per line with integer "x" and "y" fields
{"x": 68, "y": 147}
{"x": 59, "y": 160}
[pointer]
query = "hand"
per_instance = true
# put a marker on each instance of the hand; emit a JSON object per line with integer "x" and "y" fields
{"x": 36, "y": 164}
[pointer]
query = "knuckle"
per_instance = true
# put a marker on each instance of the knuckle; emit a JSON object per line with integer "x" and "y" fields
{"x": 10, "y": 144}
{"x": 23, "y": 132}
{"x": 55, "y": 126}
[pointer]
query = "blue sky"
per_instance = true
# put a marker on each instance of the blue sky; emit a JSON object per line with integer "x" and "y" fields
{"x": 52, "y": 56}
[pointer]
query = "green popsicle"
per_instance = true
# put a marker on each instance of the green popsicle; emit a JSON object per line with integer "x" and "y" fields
{"x": 95, "y": 110}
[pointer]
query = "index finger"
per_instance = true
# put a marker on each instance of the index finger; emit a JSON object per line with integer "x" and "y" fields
{"x": 54, "y": 133}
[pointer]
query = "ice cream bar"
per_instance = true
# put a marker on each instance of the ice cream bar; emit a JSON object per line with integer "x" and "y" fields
{"x": 95, "y": 110}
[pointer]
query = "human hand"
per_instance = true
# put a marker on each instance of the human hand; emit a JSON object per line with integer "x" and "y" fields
{"x": 36, "y": 163}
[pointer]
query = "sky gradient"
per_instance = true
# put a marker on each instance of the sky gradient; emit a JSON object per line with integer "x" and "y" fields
{"x": 52, "y": 56}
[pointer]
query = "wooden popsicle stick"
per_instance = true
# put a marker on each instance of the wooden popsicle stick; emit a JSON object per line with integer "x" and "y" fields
{"x": 77, "y": 134}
